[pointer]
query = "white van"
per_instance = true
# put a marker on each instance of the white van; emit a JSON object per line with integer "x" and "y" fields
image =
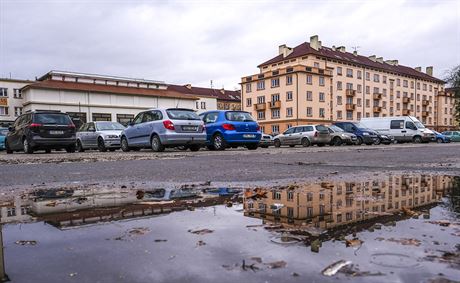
{"x": 403, "y": 129}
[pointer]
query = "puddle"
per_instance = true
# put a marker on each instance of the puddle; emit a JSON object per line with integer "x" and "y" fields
{"x": 399, "y": 228}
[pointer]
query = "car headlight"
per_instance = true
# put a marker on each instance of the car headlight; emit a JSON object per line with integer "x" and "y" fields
{"x": 365, "y": 134}
{"x": 112, "y": 136}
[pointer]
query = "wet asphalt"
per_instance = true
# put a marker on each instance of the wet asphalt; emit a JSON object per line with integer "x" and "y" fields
{"x": 270, "y": 165}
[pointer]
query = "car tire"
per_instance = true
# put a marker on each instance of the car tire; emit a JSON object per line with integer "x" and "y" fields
{"x": 277, "y": 143}
{"x": 26, "y": 146}
{"x": 292, "y": 145}
{"x": 337, "y": 141}
{"x": 155, "y": 144}
{"x": 80, "y": 146}
{"x": 306, "y": 142}
{"x": 7, "y": 148}
{"x": 359, "y": 141}
{"x": 252, "y": 146}
{"x": 439, "y": 140}
{"x": 417, "y": 139}
{"x": 125, "y": 145}
{"x": 101, "y": 145}
{"x": 195, "y": 147}
{"x": 70, "y": 148}
{"x": 378, "y": 141}
{"x": 218, "y": 142}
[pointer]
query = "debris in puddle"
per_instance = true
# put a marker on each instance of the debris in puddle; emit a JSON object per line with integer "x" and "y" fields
{"x": 449, "y": 257}
{"x": 444, "y": 223}
{"x": 276, "y": 264}
{"x": 353, "y": 243}
{"x": 407, "y": 211}
{"x": 295, "y": 274}
{"x": 160, "y": 240}
{"x": 201, "y": 232}
{"x": 315, "y": 245}
{"x": 73, "y": 274}
{"x": 200, "y": 243}
{"x": 256, "y": 259}
{"x": 354, "y": 271}
{"x": 253, "y": 266}
{"x": 26, "y": 242}
{"x": 139, "y": 231}
{"x": 332, "y": 269}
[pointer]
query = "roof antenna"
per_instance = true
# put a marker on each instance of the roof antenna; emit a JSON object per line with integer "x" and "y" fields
{"x": 355, "y": 48}
{"x": 212, "y": 84}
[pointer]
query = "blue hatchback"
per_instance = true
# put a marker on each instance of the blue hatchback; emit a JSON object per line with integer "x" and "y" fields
{"x": 230, "y": 129}
{"x": 440, "y": 138}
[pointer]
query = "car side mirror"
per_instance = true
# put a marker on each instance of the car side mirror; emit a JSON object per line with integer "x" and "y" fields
{"x": 11, "y": 128}
{"x": 353, "y": 129}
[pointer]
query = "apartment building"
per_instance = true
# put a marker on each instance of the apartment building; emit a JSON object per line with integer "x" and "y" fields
{"x": 446, "y": 110}
{"x": 311, "y": 83}
{"x": 11, "y": 99}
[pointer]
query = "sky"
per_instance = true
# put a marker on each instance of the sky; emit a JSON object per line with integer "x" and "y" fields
{"x": 197, "y": 42}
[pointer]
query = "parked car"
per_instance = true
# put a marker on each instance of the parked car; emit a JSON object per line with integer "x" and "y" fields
{"x": 440, "y": 138}
{"x": 230, "y": 129}
{"x": 339, "y": 136}
{"x": 266, "y": 141}
{"x": 99, "y": 135}
{"x": 40, "y": 130}
{"x": 165, "y": 127}
{"x": 403, "y": 129}
{"x": 304, "y": 135}
{"x": 3, "y": 133}
{"x": 363, "y": 134}
{"x": 453, "y": 135}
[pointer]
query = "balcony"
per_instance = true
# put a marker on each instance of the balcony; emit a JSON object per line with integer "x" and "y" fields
{"x": 350, "y": 107}
{"x": 425, "y": 113}
{"x": 377, "y": 96}
{"x": 406, "y": 100}
{"x": 350, "y": 92}
{"x": 406, "y": 112}
{"x": 377, "y": 109}
{"x": 274, "y": 104}
{"x": 425, "y": 102}
{"x": 260, "y": 106}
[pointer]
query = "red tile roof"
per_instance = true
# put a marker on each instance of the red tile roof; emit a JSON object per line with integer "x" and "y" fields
{"x": 227, "y": 95}
{"x": 305, "y": 49}
{"x": 52, "y": 84}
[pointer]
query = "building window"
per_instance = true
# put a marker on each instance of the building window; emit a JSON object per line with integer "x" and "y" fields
{"x": 309, "y": 96}
{"x": 123, "y": 119}
{"x": 376, "y": 78}
{"x": 358, "y": 115}
{"x": 3, "y": 110}
{"x": 339, "y": 71}
{"x": 275, "y": 97}
{"x": 424, "y": 86}
{"x": 349, "y": 115}
{"x": 309, "y": 112}
{"x": 309, "y": 79}
{"x": 368, "y": 89}
{"x": 248, "y": 87}
{"x": 376, "y": 90}
{"x": 349, "y": 73}
{"x": 384, "y": 79}
{"x": 260, "y": 115}
{"x": 358, "y": 101}
{"x": 405, "y": 83}
{"x": 260, "y": 99}
{"x": 11, "y": 211}
{"x": 275, "y": 113}
{"x": 275, "y": 129}
{"x": 339, "y": 115}
{"x": 260, "y": 85}
{"x": 431, "y": 88}
{"x": 289, "y": 95}
{"x": 316, "y": 64}
{"x": 321, "y": 113}
{"x": 321, "y": 81}
{"x": 17, "y": 93}
{"x": 359, "y": 74}
{"x": 412, "y": 84}
{"x": 289, "y": 112}
{"x": 3, "y": 92}
{"x": 289, "y": 80}
{"x": 359, "y": 88}
{"x": 203, "y": 105}
{"x": 339, "y": 85}
{"x": 321, "y": 97}
{"x": 368, "y": 103}
{"x": 276, "y": 82}
{"x": 78, "y": 118}
{"x": 248, "y": 102}
{"x": 368, "y": 76}
{"x": 102, "y": 117}
{"x": 17, "y": 111}
{"x": 197, "y": 105}
{"x": 339, "y": 100}
{"x": 398, "y": 82}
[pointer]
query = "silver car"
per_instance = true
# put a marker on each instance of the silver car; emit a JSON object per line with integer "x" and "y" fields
{"x": 304, "y": 135}
{"x": 161, "y": 128}
{"x": 339, "y": 136}
{"x": 99, "y": 135}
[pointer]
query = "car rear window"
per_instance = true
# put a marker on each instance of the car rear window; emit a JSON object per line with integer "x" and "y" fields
{"x": 57, "y": 119}
{"x": 181, "y": 114}
{"x": 238, "y": 116}
{"x": 322, "y": 128}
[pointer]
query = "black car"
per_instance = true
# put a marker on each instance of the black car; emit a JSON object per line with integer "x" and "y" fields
{"x": 44, "y": 130}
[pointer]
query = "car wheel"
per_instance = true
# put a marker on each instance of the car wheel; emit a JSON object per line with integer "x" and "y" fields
{"x": 101, "y": 145}
{"x": 195, "y": 147}
{"x": 417, "y": 139}
{"x": 124, "y": 144}
{"x": 378, "y": 141}
{"x": 47, "y": 150}
{"x": 306, "y": 142}
{"x": 277, "y": 143}
{"x": 7, "y": 147}
{"x": 359, "y": 141}
{"x": 252, "y": 146}
{"x": 80, "y": 146}
{"x": 218, "y": 142}
{"x": 337, "y": 141}
{"x": 155, "y": 144}
{"x": 70, "y": 148}
{"x": 26, "y": 146}
{"x": 439, "y": 140}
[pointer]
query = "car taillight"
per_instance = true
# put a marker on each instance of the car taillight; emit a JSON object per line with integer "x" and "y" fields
{"x": 258, "y": 127}
{"x": 316, "y": 134}
{"x": 35, "y": 125}
{"x": 228, "y": 127}
{"x": 168, "y": 125}
{"x": 71, "y": 125}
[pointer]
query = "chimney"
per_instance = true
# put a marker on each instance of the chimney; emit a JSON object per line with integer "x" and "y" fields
{"x": 189, "y": 86}
{"x": 283, "y": 49}
{"x": 392, "y": 62}
{"x": 355, "y": 53}
{"x": 380, "y": 59}
{"x": 372, "y": 58}
{"x": 222, "y": 90}
{"x": 429, "y": 71}
{"x": 418, "y": 69}
{"x": 341, "y": 49}
{"x": 314, "y": 42}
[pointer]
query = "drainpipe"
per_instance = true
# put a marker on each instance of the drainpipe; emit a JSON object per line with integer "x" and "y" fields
{"x": 297, "y": 97}
{"x": 363, "y": 115}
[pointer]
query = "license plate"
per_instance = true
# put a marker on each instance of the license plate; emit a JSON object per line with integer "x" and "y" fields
{"x": 189, "y": 128}
{"x": 249, "y": 136}
{"x": 56, "y": 132}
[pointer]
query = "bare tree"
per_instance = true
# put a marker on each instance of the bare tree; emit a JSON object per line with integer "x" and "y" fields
{"x": 453, "y": 79}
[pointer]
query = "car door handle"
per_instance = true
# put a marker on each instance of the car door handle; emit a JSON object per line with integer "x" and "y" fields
{"x": 403, "y": 131}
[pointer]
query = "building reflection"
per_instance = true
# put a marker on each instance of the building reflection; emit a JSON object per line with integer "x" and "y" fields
{"x": 330, "y": 205}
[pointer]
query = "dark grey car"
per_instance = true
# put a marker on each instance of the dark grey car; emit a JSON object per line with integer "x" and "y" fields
{"x": 339, "y": 136}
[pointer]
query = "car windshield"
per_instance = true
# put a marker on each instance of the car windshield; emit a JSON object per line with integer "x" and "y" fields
{"x": 56, "y": 119}
{"x": 3, "y": 132}
{"x": 109, "y": 126}
{"x": 361, "y": 126}
{"x": 336, "y": 129}
{"x": 182, "y": 114}
{"x": 239, "y": 116}
{"x": 419, "y": 125}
